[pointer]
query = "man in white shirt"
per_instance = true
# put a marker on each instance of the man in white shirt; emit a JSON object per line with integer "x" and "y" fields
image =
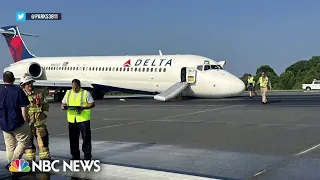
{"x": 78, "y": 103}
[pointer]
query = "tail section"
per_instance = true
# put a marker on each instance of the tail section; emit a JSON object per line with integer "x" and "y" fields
{"x": 17, "y": 47}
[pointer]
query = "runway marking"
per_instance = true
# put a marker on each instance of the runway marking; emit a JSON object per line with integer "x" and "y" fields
{"x": 235, "y": 123}
{"x": 286, "y": 159}
{"x": 177, "y": 121}
{"x": 157, "y": 105}
{"x": 197, "y": 112}
{"x": 310, "y": 149}
{"x": 135, "y": 122}
{"x": 105, "y": 127}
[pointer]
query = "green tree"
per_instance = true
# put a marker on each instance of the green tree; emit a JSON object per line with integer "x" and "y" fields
{"x": 301, "y": 72}
{"x": 286, "y": 81}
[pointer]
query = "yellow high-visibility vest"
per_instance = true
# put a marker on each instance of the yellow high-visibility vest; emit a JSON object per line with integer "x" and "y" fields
{"x": 251, "y": 80}
{"x": 263, "y": 82}
{"x": 80, "y": 100}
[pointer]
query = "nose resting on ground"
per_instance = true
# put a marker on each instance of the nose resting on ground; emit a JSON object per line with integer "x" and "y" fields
{"x": 237, "y": 86}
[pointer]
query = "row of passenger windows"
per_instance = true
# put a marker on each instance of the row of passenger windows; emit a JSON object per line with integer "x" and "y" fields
{"x": 136, "y": 69}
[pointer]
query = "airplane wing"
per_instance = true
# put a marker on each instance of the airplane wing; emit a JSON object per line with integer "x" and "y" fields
{"x": 47, "y": 83}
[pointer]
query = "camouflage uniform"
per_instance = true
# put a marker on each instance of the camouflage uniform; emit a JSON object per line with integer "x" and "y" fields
{"x": 38, "y": 112}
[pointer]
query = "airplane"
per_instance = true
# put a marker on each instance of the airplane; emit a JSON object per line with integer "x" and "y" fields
{"x": 166, "y": 77}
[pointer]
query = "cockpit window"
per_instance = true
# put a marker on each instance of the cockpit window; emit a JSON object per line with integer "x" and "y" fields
{"x": 209, "y": 67}
{"x": 199, "y": 68}
{"x": 216, "y": 67}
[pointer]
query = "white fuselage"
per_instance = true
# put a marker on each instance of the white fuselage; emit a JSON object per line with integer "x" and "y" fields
{"x": 154, "y": 73}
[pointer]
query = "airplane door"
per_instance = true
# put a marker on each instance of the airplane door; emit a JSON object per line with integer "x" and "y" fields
{"x": 191, "y": 75}
{"x": 183, "y": 74}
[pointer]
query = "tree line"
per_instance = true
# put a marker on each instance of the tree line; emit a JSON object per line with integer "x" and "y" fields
{"x": 301, "y": 72}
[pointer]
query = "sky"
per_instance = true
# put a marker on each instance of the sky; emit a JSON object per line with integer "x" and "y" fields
{"x": 246, "y": 33}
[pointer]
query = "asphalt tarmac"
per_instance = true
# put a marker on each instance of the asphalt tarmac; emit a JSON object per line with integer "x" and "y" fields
{"x": 234, "y": 138}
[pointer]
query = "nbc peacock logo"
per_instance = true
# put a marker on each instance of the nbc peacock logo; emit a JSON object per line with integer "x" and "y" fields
{"x": 19, "y": 166}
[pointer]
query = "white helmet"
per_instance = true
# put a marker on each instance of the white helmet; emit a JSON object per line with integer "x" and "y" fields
{"x": 26, "y": 78}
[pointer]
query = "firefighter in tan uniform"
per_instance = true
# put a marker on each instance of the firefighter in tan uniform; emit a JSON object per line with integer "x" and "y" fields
{"x": 38, "y": 112}
{"x": 264, "y": 82}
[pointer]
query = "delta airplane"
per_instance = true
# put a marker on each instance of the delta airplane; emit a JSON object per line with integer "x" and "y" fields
{"x": 164, "y": 76}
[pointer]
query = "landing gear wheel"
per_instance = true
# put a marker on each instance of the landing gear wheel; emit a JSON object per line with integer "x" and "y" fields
{"x": 97, "y": 95}
{"x": 58, "y": 95}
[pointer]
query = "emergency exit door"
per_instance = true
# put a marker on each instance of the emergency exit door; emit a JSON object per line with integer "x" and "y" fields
{"x": 183, "y": 74}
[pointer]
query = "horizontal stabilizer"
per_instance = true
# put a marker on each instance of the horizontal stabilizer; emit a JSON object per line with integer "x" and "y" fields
{"x": 46, "y": 83}
{"x": 2, "y": 31}
{"x": 171, "y": 92}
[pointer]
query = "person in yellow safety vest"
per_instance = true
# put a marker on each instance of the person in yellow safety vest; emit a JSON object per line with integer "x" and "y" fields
{"x": 264, "y": 82}
{"x": 78, "y": 103}
{"x": 38, "y": 111}
{"x": 251, "y": 85}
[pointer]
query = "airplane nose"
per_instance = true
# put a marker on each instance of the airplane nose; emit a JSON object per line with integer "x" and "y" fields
{"x": 237, "y": 87}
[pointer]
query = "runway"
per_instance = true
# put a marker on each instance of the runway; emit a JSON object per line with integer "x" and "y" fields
{"x": 234, "y": 138}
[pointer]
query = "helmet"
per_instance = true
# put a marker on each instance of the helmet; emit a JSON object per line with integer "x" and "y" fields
{"x": 26, "y": 78}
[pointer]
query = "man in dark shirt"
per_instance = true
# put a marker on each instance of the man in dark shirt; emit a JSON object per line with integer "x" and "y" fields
{"x": 14, "y": 118}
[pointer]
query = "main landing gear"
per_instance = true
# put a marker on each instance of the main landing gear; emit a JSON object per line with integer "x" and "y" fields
{"x": 60, "y": 92}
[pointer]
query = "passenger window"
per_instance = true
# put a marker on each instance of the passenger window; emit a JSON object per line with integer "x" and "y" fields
{"x": 155, "y": 69}
{"x": 159, "y": 69}
{"x": 147, "y": 69}
{"x": 151, "y": 69}
{"x": 164, "y": 69}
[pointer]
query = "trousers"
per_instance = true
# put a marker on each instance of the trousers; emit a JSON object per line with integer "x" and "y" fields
{"x": 264, "y": 94}
{"x": 74, "y": 132}
{"x": 16, "y": 142}
{"x": 42, "y": 136}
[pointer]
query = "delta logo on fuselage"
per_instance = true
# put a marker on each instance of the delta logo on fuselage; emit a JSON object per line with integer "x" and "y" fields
{"x": 149, "y": 62}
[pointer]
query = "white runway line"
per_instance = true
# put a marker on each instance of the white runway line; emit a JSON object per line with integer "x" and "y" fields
{"x": 197, "y": 112}
{"x": 178, "y": 115}
{"x": 310, "y": 149}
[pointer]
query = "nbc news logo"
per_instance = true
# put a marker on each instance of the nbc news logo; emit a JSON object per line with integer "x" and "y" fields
{"x": 20, "y": 16}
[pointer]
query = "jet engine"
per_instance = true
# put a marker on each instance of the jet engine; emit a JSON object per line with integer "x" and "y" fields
{"x": 20, "y": 68}
{"x": 35, "y": 70}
